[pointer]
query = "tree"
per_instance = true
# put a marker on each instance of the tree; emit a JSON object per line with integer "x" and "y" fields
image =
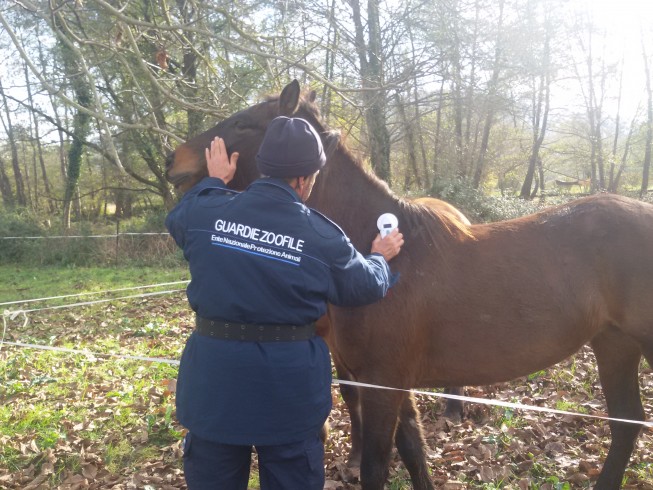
{"x": 593, "y": 89}
{"x": 646, "y": 164}
{"x": 426, "y": 87}
{"x": 21, "y": 197}
{"x": 36, "y": 138}
{"x": 491, "y": 101}
{"x": 374, "y": 95}
{"x": 82, "y": 94}
{"x": 5, "y": 186}
{"x": 541, "y": 80}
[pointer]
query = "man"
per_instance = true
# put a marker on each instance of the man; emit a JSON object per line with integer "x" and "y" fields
{"x": 263, "y": 267}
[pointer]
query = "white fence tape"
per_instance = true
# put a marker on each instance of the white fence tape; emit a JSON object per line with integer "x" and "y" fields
{"x": 484, "y": 401}
{"x": 12, "y": 315}
{"x": 93, "y": 293}
{"x": 97, "y": 301}
{"x": 115, "y": 235}
{"x": 497, "y": 403}
{"x": 92, "y": 355}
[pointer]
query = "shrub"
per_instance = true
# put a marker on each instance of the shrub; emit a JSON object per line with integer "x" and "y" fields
{"x": 480, "y": 208}
{"x": 19, "y": 223}
{"x": 89, "y": 243}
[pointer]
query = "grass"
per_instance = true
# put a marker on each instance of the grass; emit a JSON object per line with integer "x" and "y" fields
{"x": 63, "y": 413}
{"x": 25, "y": 282}
{"x": 73, "y": 418}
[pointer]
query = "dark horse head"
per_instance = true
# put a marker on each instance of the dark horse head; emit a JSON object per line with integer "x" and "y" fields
{"x": 243, "y": 133}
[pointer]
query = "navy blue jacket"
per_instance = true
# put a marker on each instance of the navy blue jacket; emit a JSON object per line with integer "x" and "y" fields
{"x": 262, "y": 256}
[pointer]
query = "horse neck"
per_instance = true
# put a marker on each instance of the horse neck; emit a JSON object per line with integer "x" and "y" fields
{"x": 353, "y": 198}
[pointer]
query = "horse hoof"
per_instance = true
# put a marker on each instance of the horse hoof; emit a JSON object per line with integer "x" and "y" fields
{"x": 354, "y": 461}
{"x": 351, "y": 474}
{"x": 324, "y": 432}
{"x": 454, "y": 417}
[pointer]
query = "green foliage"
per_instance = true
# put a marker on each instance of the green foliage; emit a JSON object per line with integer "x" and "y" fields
{"x": 569, "y": 406}
{"x": 400, "y": 480}
{"x": 254, "y": 482}
{"x": 536, "y": 375}
{"x": 142, "y": 241}
{"x": 148, "y": 221}
{"x": 558, "y": 484}
{"x": 21, "y": 223}
{"x": 117, "y": 455}
{"x": 478, "y": 207}
{"x": 481, "y": 208}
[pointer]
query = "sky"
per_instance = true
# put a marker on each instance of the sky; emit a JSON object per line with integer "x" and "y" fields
{"x": 624, "y": 21}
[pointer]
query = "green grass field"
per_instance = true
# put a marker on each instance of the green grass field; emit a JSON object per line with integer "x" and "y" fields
{"x": 20, "y": 282}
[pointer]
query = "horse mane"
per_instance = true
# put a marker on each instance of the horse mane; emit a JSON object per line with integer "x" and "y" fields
{"x": 424, "y": 216}
{"x": 414, "y": 218}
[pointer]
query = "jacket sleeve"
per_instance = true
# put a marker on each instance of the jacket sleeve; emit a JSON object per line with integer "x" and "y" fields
{"x": 358, "y": 280}
{"x": 176, "y": 221}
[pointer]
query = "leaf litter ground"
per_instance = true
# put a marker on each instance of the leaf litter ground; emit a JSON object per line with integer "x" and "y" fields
{"x": 86, "y": 421}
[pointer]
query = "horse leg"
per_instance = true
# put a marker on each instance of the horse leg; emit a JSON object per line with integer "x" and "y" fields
{"x": 380, "y": 410}
{"x": 454, "y": 408}
{"x": 410, "y": 443}
{"x": 618, "y": 359}
{"x": 350, "y": 395}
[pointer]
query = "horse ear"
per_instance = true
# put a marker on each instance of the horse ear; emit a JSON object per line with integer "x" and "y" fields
{"x": 312, "y": 95}
{"x": 289, "y": 98}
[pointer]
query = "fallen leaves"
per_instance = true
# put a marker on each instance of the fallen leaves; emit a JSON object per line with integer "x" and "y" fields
{"x": 498, "y": 448}
{"x": 73, "y": 422}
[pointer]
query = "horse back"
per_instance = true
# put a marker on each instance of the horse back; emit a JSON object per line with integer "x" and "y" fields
{"x": 528, "y": 292}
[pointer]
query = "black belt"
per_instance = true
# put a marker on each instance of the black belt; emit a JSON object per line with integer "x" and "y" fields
{"x": 221, "y": 329}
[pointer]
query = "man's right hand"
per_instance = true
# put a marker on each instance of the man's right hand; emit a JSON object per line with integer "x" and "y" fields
{"x": 218, "y": 162}
{"x": 389, "y": 246}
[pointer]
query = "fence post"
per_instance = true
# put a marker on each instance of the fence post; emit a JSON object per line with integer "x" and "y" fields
{"x": 117, "y": 238}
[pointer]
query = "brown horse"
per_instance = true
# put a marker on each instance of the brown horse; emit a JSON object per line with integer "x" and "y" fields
{"x": 475, "y": 304}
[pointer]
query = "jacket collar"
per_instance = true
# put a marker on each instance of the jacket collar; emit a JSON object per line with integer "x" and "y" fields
{"x": 278, "y": 187}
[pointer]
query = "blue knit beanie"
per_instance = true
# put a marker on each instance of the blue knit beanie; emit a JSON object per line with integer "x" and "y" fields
{"x": 290, "y": 148}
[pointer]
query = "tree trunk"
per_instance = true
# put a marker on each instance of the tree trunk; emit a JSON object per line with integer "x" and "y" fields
{"x": 81, "y": 127}
{"x": 491, "y": 101}
{"x": 594, "y": 107}
{"x": 329, "y": 62}
{"x": 458, "y": 109}
{"x": 541, "y": 105}
{"x": 39, "y": 148}
{"x": 615, "y": 141}
{"x": 374, "y": 95}
{"x": 600, "y": 160}
{"x": 418, "y": 116}
{"x": 438, "y": 128}
{"x": 58, "y": 123}
{"x": 410, "y": 144}
{"x": 649, "y": 125}
{"x": 21, "y": 198}
{"x": 470, "y": 103}
{"x": 189, "y": 70}
{"x": 614, "y": 185}
{"x": 5, "y": 186}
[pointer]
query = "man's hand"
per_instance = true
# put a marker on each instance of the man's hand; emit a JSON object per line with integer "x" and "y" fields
{"x": 218, "y": 162}
{"x": 389, "y": 246}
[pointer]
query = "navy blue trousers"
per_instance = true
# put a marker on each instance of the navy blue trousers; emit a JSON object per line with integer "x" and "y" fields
{"x": 213, "y": 466}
